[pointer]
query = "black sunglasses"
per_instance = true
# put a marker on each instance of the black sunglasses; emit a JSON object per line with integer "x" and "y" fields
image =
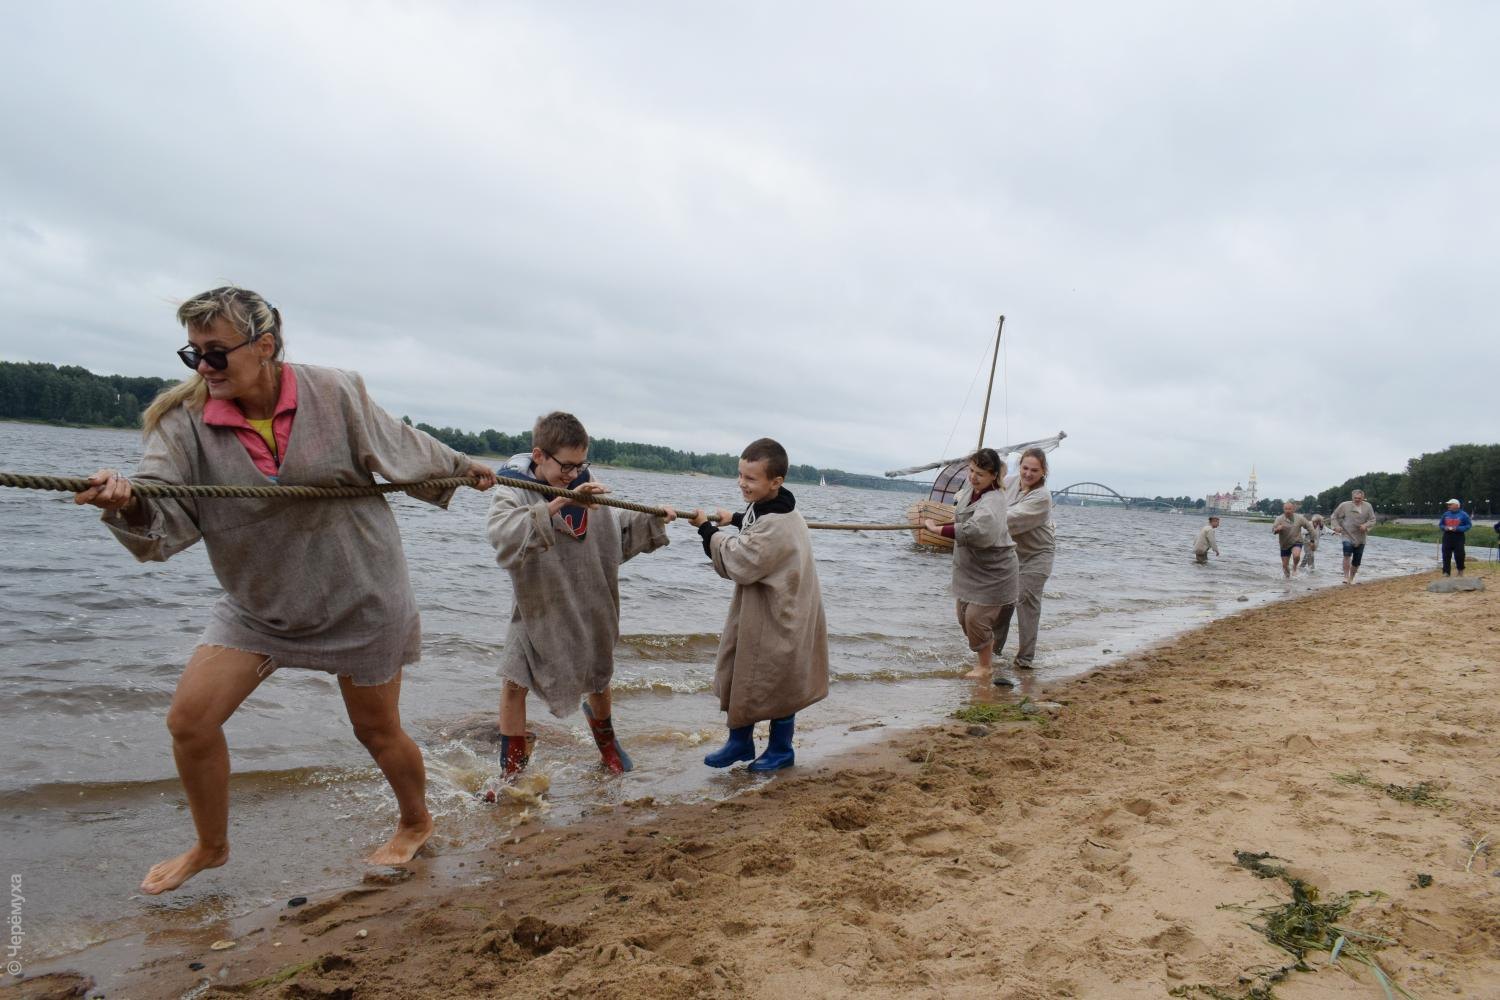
{"x": 217, "y": 360}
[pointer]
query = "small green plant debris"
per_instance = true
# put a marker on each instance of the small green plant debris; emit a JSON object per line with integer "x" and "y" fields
{"x": 1300, "y": 927}
{"x": 1262, "y": 992}
{"x": 989, "y": 713}
{"x": 1256, "y": 864}
{"x": 280, "y": 977}
{"x": 1423, "y": 880}
{"x": 1423, "y": 793}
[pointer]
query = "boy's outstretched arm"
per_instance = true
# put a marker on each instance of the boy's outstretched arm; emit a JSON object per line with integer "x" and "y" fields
{"x": 517, "y": 527}
{"x": 643, "y": 532}
{"x": 748, "y": 557}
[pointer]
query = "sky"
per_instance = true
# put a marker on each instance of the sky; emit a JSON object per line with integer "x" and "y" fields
{"x": 1222, "y": 234}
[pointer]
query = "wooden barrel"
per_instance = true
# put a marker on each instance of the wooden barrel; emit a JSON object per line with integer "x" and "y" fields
{"x": 940, "y": 512}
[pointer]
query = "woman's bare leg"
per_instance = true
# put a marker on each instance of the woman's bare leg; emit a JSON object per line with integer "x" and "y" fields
{"x": 214, "y": 683}
{"x": 375, "y": 713}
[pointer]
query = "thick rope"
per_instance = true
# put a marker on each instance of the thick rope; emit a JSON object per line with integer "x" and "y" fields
{"x": 76, "y": 484}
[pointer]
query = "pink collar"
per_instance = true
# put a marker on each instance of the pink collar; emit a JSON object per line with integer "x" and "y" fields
{"x": 227, "y": 413}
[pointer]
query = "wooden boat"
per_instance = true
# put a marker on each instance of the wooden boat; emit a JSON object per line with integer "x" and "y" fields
{"x": 939, "y": 505}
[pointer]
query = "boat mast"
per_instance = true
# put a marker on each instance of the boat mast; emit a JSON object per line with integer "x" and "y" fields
{"x": 986, "y": 418}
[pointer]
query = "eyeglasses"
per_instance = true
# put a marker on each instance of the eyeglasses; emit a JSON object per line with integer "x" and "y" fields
{"x": 217, "y": 360}
{"x": 568, "y": 468}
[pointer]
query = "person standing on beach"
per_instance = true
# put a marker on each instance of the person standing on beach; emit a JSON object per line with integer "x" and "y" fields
{"x": 773, "y": 652}
{"x": 307, "y": 585}
{"x": 564, "y": 563}
{"x": 986, "y": 572}
{"x": 1313, "y": 532}
{"x": 1028, "y": 518}
{"x": 1206, "y": 540}
{"x": 1353, "y": 519}
{"x": 1455, "y": 523}
{"x": 1288, "y": 530}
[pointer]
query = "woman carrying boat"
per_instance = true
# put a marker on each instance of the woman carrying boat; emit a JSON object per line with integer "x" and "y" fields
{"x": 1028, "y": 517}
{"x": 985, "y": 569}
{"x": 307, "y": 584}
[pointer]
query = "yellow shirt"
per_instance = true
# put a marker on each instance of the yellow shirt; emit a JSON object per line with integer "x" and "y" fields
{"x": 263, "y": 428}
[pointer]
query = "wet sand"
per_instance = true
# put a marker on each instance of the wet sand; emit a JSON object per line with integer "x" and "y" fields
{"x": 1083, "y": 857}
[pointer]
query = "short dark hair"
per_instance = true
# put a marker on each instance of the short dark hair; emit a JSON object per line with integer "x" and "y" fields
{"x": 558, "y": 430}
{"x": 768, "y": 451}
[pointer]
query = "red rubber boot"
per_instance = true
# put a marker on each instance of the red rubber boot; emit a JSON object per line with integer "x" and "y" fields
{"x": 615, "y": 759}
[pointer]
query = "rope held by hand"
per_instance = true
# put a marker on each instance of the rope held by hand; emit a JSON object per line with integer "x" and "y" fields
{"x": 77, "y": 484}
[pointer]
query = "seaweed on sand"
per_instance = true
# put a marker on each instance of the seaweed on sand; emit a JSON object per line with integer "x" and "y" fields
{"x": 989, "y": 713}
{"x": 1423, "y": 793}
{"x": 1300, "y": 927}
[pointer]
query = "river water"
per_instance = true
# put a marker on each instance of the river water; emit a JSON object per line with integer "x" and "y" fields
{"x": 91, "y": 644}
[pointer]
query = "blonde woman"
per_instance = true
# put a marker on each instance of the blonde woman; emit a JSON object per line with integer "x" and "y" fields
{"x": 311, "y": 585}
{"x": 1028, "y": 517}
{"x": 984, "y": 557}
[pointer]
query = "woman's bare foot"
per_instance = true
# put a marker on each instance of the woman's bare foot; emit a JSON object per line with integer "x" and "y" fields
{"x": 977, "y": 674}
{"x": 171, "y": 873}
{"x": 403, "y": 845}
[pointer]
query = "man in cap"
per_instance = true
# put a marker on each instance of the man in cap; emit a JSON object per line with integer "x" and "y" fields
{"x": 1454, "y": 522}
{"x": 1353, "y": 519}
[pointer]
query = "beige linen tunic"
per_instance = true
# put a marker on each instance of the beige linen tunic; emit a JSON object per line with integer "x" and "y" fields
{"x": 315, "y": 584}
{"x": 566, "y": 616}
{"x": 985, "y": 568}
{"x": 773, "y": 654}
{"x": 1353, "y": 520}
{"x": 1289, "y": 529}
{"x": 1206, "y": 540}
{"x": 1028, "y": 519}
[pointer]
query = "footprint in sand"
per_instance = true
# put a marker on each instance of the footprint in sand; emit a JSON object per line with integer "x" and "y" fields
{"x": 1101, "y": 856}
{"x": 934, "y": 842}
{"x": 1177, "y": 941}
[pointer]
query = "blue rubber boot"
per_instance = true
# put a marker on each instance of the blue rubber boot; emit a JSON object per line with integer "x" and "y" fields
{"x": 740, "y": 746}
{"x": 779, "y": 751}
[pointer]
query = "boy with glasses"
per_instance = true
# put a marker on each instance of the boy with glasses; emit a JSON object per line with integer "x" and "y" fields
{"x": 564, "y": 559}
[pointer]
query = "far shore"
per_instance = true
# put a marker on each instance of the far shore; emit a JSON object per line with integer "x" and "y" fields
{"x": 1344, "y": 739}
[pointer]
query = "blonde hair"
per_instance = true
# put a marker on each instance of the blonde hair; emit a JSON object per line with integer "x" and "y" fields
{"x": 1041, "y": 457}
{"x": 246, "y": 311}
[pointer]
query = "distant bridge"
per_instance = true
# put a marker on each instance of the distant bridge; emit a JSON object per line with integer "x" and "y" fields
{"x": 1098, "y": 493}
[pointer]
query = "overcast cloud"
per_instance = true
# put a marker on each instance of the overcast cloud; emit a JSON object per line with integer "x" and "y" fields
{"x": 1222, "y": 234}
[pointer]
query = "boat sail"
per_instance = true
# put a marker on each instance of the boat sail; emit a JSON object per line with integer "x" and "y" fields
{"x": 939, "y": 505}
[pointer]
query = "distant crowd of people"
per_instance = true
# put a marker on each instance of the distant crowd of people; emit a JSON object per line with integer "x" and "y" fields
{"x": 1298, "y": 535}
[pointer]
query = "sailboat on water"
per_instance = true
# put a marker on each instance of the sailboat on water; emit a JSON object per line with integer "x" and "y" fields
{"x": 939, "y": 505}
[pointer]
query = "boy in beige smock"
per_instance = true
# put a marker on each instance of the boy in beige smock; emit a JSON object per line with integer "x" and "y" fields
{"x": 773, "y": 654}
{"x": 564, "y": 563}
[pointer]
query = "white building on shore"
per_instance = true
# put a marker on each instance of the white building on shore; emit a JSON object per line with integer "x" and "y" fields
{"x": 1240, "y": 499}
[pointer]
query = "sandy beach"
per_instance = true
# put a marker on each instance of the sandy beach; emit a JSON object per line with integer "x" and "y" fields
{"x": 1087, "y": 855}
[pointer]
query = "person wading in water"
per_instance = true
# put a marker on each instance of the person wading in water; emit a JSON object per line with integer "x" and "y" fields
{"x": 307, "y": 584}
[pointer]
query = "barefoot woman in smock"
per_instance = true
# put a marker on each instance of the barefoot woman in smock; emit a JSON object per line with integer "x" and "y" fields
{"x": 985, "y": 569}
{"x": 308, "y": 584}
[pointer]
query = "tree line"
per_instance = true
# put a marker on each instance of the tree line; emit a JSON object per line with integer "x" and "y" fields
{"x": 654, "y": 458}
{"x": 1469, "y": 472}
{"x": 32, "y": 390}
